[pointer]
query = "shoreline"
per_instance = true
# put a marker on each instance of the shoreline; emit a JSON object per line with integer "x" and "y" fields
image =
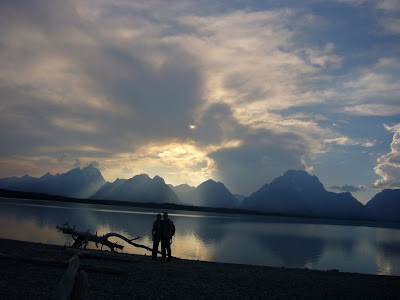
{"x": 183, "y": 279}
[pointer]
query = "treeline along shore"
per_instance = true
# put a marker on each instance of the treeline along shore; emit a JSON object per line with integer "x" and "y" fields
{"x": 39, "y": 196}
{"x": 33, "y": 271}
{"x": 172, "y": 206}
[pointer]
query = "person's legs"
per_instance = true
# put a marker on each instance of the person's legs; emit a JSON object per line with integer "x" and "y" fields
{"x": 155, "y": 248}
{"x": 169, "y": 250}
{"x": 164, "y": 245}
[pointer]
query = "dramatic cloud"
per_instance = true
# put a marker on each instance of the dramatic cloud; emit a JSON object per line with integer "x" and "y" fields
{"x": 389, "y": 164}
{"x": 192, "y": 90}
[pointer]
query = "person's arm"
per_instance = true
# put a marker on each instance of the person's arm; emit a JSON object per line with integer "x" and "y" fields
{"x": 170, "y": 229}
{"x": 153, "y": 231}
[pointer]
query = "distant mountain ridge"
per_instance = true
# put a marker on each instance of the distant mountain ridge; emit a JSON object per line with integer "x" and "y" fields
{"x": 76, "y": 183}
{"x": 293, "y": 193}
{"x": 297, "y": 192}
{"x": 385, "y": 205}
{"x": 140, "y": 188}
{"x": 209, "y": 194}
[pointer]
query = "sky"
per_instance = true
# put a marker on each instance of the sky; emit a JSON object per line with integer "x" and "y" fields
{"x": 236, "y": 91}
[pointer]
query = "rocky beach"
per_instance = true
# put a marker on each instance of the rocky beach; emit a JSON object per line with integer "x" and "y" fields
{"x": 30, "y": 271}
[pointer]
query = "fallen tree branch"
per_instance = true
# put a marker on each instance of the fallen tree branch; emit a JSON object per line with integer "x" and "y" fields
{"x": 81, "y": 239}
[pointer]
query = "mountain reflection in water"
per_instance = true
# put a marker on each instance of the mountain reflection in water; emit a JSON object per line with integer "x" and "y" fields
{"x": 272, "y": 241}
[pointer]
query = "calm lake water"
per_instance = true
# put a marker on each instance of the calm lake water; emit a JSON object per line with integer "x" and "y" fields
{"x": 259, "y": 240}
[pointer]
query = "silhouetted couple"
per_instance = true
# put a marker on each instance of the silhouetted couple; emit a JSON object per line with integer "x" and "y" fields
{"x": 163, "y": 230}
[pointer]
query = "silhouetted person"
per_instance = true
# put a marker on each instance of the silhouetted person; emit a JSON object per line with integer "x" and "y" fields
{"x": 156, "y": 233}
{"x": 167, "y": 231}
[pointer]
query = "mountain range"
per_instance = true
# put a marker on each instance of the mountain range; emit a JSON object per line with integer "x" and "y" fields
{"x": 297, "y": 192}
{"x": 209, "y": 194}
{"x": 293, "y": 193}
{"x": 77, "y": 183}
{"x": 140, "y": 188}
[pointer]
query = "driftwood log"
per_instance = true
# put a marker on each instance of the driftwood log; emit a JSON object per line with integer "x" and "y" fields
{"x": 81, "y": 239}
{"x": 66, "y": 285}
{"x": 81, "y": 286}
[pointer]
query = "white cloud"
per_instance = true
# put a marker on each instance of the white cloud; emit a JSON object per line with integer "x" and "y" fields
{"x": 389, "y": 164}
{"x": 343, "y": 140}
{"x": 369, "y": 144}
{"x": 374, "y": 91}
{"x": 391, "y": 25}
{"x": 76, "y": 124}
{"x": 127, "y": 171}
{"x": 346, "y": 141}
{"x": 390, "y": 5}
{"x": 390, "y": 20}
{"x": 373, "y": 110}
{"x": 324, "y": 57}
{"x": 374, "y": 85}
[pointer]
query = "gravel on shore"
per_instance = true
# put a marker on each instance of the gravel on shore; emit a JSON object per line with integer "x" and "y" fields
{"x": 181, "y": 279}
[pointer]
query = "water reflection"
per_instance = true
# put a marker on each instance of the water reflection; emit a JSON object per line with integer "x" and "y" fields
{"x": 307, "y": 249}
{"x": 29, "y": 230}
{"x": 387, "y": 254}
{"x": 214, "y": 237}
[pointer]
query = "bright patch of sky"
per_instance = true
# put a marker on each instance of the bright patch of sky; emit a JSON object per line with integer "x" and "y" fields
{"x": 237, "y": 91}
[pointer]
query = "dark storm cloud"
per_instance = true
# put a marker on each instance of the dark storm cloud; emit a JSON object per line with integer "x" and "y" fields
{"x": 163, "y": 100}
{"x": 349, "y": 188}
{"x": 138, "y": 102}
{"x": 256, "y": 163}
{"x": 261, "y": 156}
{"x": 218, "y": 124}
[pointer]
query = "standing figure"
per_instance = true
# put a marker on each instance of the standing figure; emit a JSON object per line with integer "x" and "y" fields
{"x": 167, "y": 231}
{"x": 156, "y": 233}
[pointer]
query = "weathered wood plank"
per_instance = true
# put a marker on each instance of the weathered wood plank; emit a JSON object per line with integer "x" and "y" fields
{"x": 66, "y": 284}
{"x": 81, "y": 287}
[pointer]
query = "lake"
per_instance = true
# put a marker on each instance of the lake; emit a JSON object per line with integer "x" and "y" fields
{"x": 259, "y": 240}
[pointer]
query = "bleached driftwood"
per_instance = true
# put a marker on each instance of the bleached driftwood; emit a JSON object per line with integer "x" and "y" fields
{"x": 81, "y": 239}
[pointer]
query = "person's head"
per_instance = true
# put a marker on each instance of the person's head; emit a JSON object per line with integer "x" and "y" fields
{"x": 165, "y": 216}
{"x": 159, "y": 217}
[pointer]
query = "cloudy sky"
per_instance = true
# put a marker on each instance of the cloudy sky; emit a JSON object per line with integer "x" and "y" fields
{"x": 238, "y": 91}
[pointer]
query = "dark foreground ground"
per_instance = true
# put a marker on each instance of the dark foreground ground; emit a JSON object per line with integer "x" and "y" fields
{"x": 181, "y": 279}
